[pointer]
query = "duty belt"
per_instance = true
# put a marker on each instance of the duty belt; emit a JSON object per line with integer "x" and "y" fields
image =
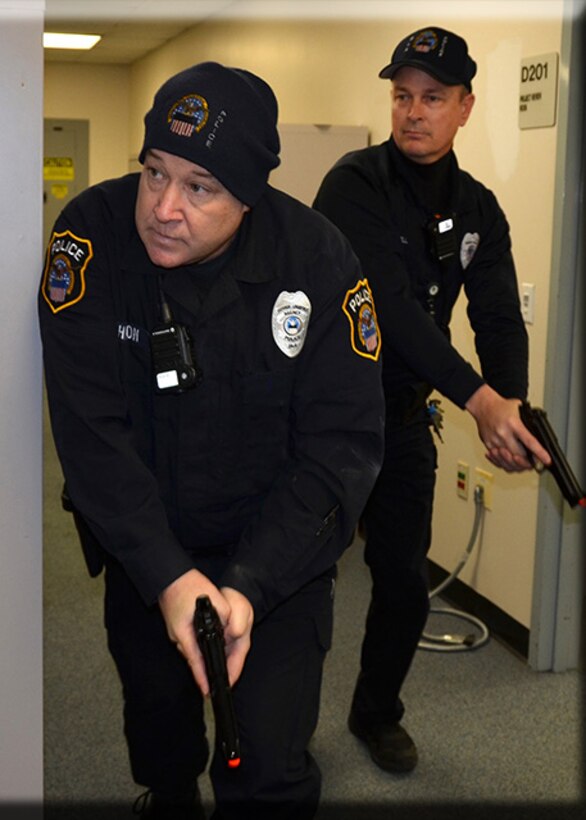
{"x": 409, "y": 400}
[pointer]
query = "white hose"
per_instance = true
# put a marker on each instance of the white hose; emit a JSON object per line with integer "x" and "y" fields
{"x": 459, "y": 643}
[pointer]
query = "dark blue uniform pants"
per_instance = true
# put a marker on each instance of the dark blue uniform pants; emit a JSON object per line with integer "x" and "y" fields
{"x": 397, "y": 519}
{"x": 276, "y": 702}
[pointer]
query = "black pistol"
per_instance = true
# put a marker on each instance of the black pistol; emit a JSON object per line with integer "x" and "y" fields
{"x": 535, "y": 420}
{"x": 210, "y": 637}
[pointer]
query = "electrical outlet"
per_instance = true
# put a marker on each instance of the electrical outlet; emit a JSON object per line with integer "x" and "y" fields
{"x": 484, "y": 479}
{"x": 462, "y": 480}
{"x": 528, "y": 302}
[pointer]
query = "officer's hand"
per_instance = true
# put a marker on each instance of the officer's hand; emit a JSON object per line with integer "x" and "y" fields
{"x": 177, "y": 604}
{"x": 237, "y": 631}
{"x": 500, "y": 428}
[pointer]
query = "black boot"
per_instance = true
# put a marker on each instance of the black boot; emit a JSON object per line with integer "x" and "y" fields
{"x": 390, "y": 745}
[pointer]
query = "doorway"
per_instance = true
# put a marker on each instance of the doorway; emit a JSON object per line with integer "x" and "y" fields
{"x": 65, "y": 167}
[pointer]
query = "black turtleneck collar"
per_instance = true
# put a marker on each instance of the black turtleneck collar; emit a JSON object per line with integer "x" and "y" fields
{"x": 432, "y": 184}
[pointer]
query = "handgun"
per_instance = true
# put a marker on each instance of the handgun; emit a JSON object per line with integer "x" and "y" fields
{"x": 535, "y": 420}
{"x": 210, "y": 637}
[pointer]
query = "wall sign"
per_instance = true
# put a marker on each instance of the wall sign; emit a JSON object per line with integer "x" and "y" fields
{"x": 538, "y": 91}
{"x": 58, "y": 169}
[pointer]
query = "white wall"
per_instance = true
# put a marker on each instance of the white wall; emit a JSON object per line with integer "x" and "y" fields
{"x": 21, "y": 719}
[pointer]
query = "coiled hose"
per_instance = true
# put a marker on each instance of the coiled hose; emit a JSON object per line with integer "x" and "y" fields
{"x": 459, "y": 643}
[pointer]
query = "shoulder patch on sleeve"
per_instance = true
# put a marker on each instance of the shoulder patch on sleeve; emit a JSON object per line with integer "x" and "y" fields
{"x": 64, "y": 279}
{"x": 359, "y": 307}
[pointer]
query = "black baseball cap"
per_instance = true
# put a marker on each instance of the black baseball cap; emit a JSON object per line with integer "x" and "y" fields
{"x": 436, "y": 51}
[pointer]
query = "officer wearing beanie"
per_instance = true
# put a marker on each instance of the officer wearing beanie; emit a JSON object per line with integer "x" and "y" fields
{"x": 422, "y": 228}
{"x": 212, "y": 361}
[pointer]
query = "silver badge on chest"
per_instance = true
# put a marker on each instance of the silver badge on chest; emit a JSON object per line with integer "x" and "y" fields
{"x": 290, "y": 321}
{"x": 468, "y": 248}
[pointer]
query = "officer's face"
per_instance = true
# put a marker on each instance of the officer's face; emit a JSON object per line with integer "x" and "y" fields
{"x": 426, "y": 114}
{"x": 183, "y": 214}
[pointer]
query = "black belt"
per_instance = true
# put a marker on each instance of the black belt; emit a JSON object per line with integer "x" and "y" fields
{"x": 403, "y": 405}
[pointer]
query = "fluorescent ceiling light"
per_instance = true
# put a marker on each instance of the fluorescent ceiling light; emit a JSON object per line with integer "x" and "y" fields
{"x": 76, "y": 41}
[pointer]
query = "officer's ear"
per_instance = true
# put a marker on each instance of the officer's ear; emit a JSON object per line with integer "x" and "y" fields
{"x": 466, "y": 103}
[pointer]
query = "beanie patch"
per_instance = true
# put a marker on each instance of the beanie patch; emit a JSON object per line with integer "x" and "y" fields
{"x": 222, "y": 119}
{"x": 188, "y": 115}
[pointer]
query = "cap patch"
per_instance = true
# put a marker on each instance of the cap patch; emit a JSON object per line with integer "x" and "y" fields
{"x": 442, "y": 54}
{"x": 64, "y": 279}
{"x": 425, "y": 41}
{"x": 290, "y": 320}
{"x": 364, "y": 333}
{"x": 188, "y": 115}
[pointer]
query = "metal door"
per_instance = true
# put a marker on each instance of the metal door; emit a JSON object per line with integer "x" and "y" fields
{"x": 65, "y": 167}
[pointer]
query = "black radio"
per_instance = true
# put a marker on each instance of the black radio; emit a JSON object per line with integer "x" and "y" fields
{"x": 442, "y": 234}
{"x": 175, "y": 369}
{"x": 172, "y": 353}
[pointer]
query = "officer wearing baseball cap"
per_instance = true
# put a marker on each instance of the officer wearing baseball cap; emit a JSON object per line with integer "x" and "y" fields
{"x": 212, "y": 361}
{"x": 422, "y": 228}
{"x": 436, "y": 51}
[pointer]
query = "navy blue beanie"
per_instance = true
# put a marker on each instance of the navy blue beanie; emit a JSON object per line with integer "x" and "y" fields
{"x": 224, "y": 119}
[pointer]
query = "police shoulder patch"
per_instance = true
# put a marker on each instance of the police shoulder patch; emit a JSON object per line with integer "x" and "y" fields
{"x": 359, "y": 307}
{"x": 64, "y": 279}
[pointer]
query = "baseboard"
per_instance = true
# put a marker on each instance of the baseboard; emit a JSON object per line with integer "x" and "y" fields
{"x": 500, "y": 625}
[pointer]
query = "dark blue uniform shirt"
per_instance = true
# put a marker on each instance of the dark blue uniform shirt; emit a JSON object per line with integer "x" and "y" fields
{"x": 380, "y": 202}
{"x": 269, "y": 460}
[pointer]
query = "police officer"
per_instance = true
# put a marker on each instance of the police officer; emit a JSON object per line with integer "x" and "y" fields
{"x": 212, "y": 366}
{"x": 423, "y": 229}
